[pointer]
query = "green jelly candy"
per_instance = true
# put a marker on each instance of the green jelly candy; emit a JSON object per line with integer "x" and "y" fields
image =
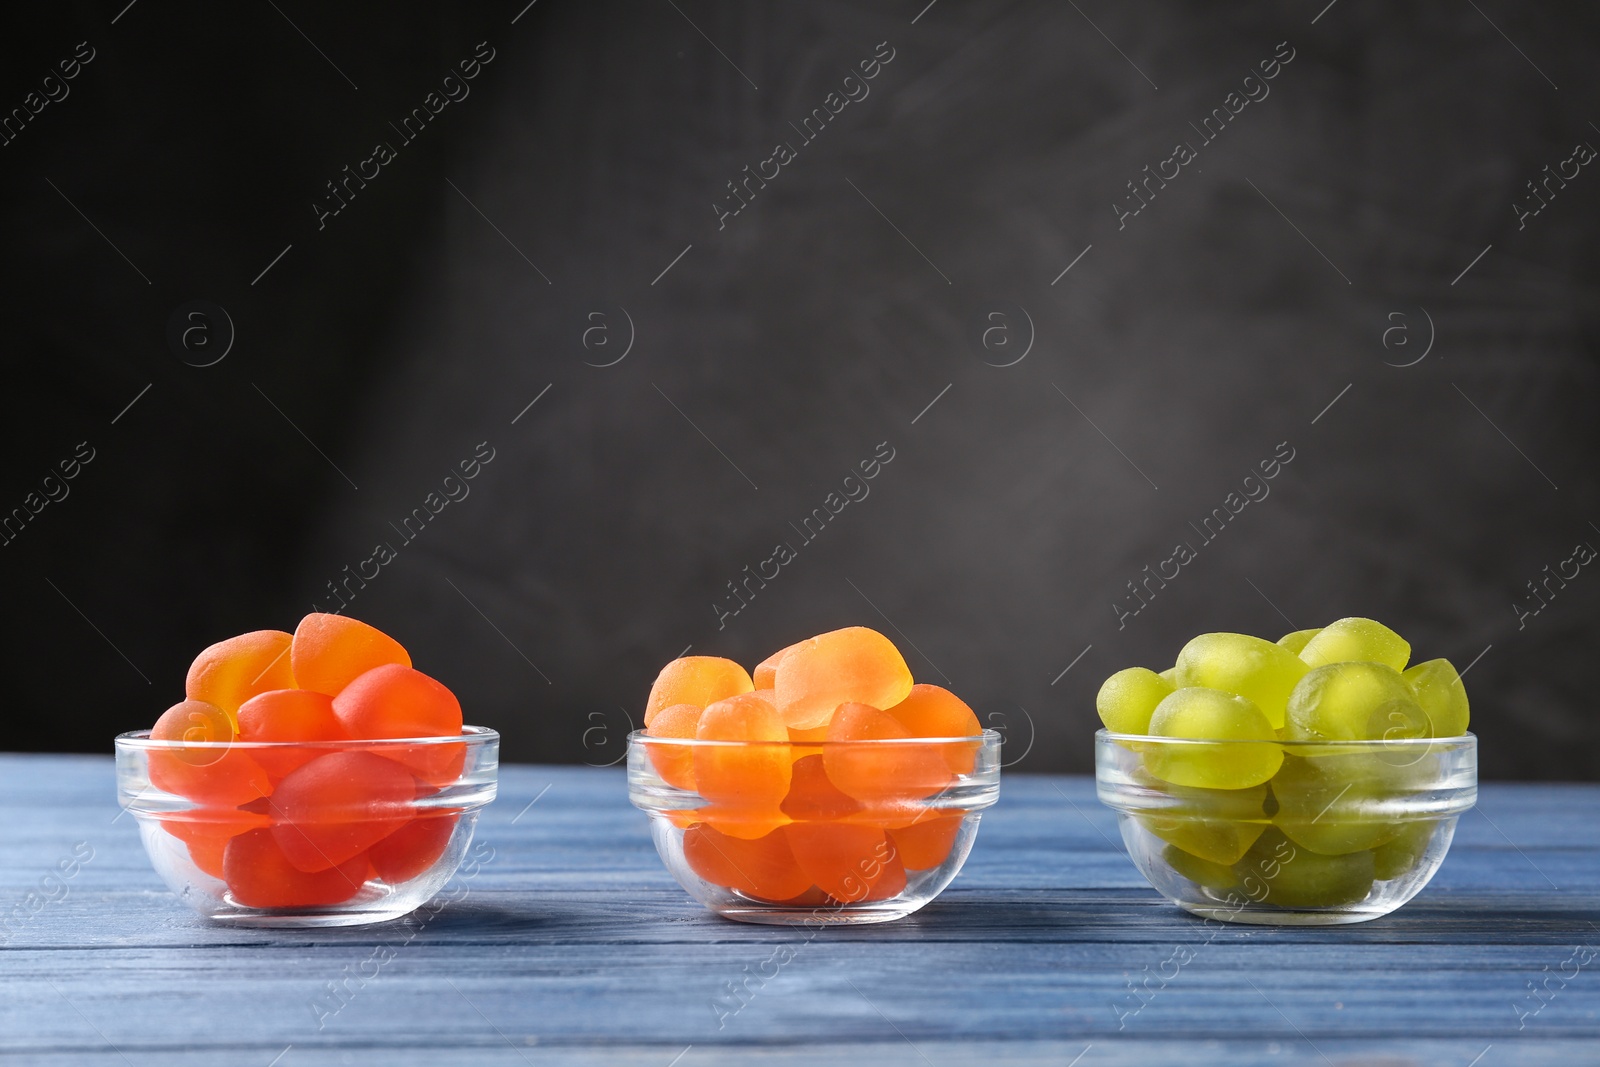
{"x": 1259, "y": 671}
{"x": 1218, "y": 825}
{"x": 1332, "y": 804}
{"x": 1170, "y": 676}
{"x": 1219, "y": 877}
{"x": 1296, "y": 641}
{"x": 1279, "y": 872}
{"x": 1357, "y": 639}
{"x": 1354, "y": 702}
{"x": 1128, "y": 697}
{"x": 1400, "y": 856}
{"x": 1212, "y": 715}
{"x": 1439, "y": 690}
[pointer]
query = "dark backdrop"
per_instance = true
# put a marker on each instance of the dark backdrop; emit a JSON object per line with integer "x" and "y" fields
{"x": 1358, "y": 231}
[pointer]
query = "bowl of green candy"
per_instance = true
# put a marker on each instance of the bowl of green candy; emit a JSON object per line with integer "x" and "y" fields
{"x": 1311, "y": 781}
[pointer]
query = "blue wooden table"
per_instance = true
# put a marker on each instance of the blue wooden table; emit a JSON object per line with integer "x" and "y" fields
{"x": 567, "y": 943}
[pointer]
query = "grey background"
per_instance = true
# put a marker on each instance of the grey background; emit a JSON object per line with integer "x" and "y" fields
{"x": 1176, "y": 354}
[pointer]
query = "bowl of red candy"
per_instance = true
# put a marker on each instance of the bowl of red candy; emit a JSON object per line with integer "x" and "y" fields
{"x": 307, "y": 779}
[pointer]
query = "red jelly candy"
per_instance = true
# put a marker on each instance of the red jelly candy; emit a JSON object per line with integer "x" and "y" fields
{"x": 288, "y": 715}
{"x": 259, "y": 875}
{"x": 393, "y": 701}
{"x": 413, "y": 848}
{"x": 203, "y": 769}
{"x": 207, "y": 831}
{"x": 337, "y": 806}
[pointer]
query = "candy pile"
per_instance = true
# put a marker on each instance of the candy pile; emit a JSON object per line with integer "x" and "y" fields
{"x": 302, "y": 824}
{"x": 1313, "y": 826}
{"x": 796, "y": 814}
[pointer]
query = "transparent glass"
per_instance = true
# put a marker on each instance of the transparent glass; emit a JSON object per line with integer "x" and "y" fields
{"x": 1339, "y": 833}
{"x": 363, "y": 832}
{"x": 814, "y": 832}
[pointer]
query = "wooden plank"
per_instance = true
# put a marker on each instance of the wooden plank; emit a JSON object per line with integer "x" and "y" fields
{"x": 573, "y": 945}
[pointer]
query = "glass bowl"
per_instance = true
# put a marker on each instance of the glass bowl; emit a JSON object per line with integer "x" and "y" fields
{"x": 296, "y": 834}
{"x": 1335, "y": 832}
{"x": 814, "y": 832}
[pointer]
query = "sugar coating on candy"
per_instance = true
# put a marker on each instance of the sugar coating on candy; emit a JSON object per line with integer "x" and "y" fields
{"x": 1259, "y": 671}
{"x": 763, "y": 867}
{"x": 852, "y": 665}
{"x": 1438, "y": 688}
{"x": 288, "y": 715}
{"x": 1357, "y": 639}
{"x": 413, "y": 848}
{"x": 1129, "y": 697}
{"x": 259, "y": 875}
{"x": 1358, "y": 701}
{"x": 1296, "y": 641}
{"x": 1211, "y": 715}
{"x": 675, "y": 763}
{"x": 211, "y": 772}
{"x": 698, "y": 680}
{"x": 881, "y": 770}
{"x": 339, "y": 805}
{"x": 742, "y": 777}
{"x": 1333, "y": 804}
{"x": 230, "y": 672}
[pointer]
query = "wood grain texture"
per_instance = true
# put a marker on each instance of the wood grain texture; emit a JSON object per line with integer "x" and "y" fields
{"x": 572, "y": 945}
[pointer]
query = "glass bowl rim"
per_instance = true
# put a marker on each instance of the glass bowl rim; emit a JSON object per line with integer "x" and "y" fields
{"x": 140, "y": 741}
{"x": 1461, "y": 740}
{"x": 987, "y": 737}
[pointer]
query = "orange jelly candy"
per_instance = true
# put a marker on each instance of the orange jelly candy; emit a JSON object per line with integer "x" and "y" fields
{"x": 742, "y": 777}
{"x": 232, "y": 671}
{"x": 763, "y": 867}
{"x": 331, "y": 651}
{"x": 337, "y": 806}
{"x": 221, "y": 777}
{"x": 930, "y": 711}
{"x": 853, "y": 665}
{"x": 393, "y": 701}
{"x": 413, "y": 848}
{"x": 766, "y": 673}
{"x": 812, "y": 797}
{"x": 698, "y": 680}
{"x": 850, "y": 863}
{"x": 925, "y": 843}
{"x": 288, "y": 715}
{"x": 675, "y": 763}
{"x": 882, "y": 771}
{"x": 259, "y": 875}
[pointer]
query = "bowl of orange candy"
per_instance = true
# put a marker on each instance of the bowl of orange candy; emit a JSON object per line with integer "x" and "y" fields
{"x": 824, "y": 787}
{"x": 308, "y": 779}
